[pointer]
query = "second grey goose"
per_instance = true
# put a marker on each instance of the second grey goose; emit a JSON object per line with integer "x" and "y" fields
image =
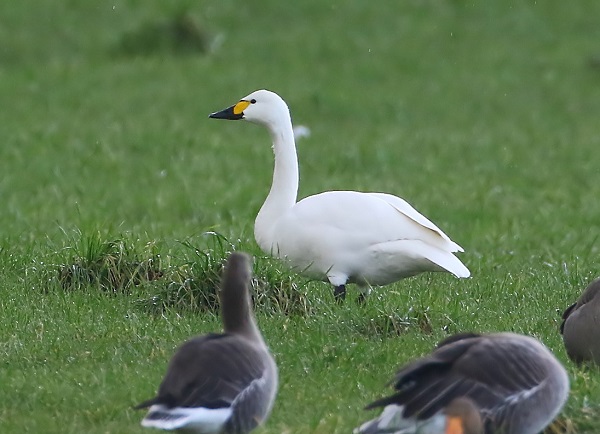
{"x": 515, "y": 381}
{"x": 219, "y": 383}
{"x": 581, "y": 326}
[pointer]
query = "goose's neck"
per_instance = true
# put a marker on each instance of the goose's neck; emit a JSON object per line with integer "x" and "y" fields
{"x": 237, "y": 315}
{"x": 284, "y": 188}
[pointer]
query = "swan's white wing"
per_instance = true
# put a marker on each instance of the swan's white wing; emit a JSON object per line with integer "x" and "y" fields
{"x": 367, "y": 218}
{"x": 407, "y": 209}
{"x": 413, "y": 251}
{"x": 359, "y": 236}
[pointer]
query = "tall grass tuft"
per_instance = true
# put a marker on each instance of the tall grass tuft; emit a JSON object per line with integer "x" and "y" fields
{"x": 193, "y": 284}
{"x": 186, "y": 278}
{"x": 191, "y": 281}
{"x": 278, "y": 290}
{"x": 111, "y": 265}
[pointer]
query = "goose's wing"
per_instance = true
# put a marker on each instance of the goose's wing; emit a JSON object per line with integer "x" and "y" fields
{"x": 210, "y": 371}
{"x": 568, "y": 311}
{"x": 590, "y": 293}
{"x": 489, "y": 372}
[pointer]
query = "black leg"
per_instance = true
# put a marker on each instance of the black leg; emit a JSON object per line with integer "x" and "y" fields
{"x": 339, "y": 293}
{"x": 362, "y": 298}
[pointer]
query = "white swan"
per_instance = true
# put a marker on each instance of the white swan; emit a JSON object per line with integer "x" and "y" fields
{"x": 342, "y": 236}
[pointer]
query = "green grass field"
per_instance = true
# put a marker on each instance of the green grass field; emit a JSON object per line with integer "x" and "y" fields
{"x": 484, "y": 116}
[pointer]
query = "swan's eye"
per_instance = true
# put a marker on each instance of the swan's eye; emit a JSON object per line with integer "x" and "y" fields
{"x": 252, "y": 101}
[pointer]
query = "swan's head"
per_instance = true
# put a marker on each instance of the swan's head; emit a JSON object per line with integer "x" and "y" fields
{"x": 262, "y": 107}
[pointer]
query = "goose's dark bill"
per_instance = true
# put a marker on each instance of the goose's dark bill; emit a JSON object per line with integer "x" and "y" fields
{"x": 515, "y": 381}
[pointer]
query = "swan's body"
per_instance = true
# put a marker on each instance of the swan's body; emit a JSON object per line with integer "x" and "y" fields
{"x": 219, "y": 383}
{"x": 516, "y": 383}
{"x": 339, "y": 236}
{"x": 581, "y": 326}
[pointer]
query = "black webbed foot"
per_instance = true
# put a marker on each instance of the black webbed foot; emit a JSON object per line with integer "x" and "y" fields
{"x": 361, "y": 299}
{"x": 339, "y": 293}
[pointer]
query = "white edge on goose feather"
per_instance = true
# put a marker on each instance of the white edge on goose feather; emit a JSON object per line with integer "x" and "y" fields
{"x": 208, "y": 420}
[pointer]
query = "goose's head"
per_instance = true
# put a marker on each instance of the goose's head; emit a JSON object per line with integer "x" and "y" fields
{"x": 261, "y": 107}
{"x": 462, "y": 417}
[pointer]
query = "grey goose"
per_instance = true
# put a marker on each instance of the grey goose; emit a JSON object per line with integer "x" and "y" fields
{"x": 581, "y": 326}
{"x": 515, "y": 381}
{"x": 219, "y": 383}
{"x": 338, "y": 236}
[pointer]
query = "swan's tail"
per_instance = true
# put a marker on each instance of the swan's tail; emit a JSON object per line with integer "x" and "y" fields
{"x": 450, "y": 263}
{"x": 442, "y": 259}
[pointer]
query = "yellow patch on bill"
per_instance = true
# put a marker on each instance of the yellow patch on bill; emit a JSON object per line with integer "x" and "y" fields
{"x": 240, "y": 107}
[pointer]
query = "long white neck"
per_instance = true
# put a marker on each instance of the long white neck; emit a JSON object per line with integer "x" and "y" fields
{"x": 284, "y": 189}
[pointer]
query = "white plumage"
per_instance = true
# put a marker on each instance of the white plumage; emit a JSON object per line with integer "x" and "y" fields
{"x": 339, "y": 236}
